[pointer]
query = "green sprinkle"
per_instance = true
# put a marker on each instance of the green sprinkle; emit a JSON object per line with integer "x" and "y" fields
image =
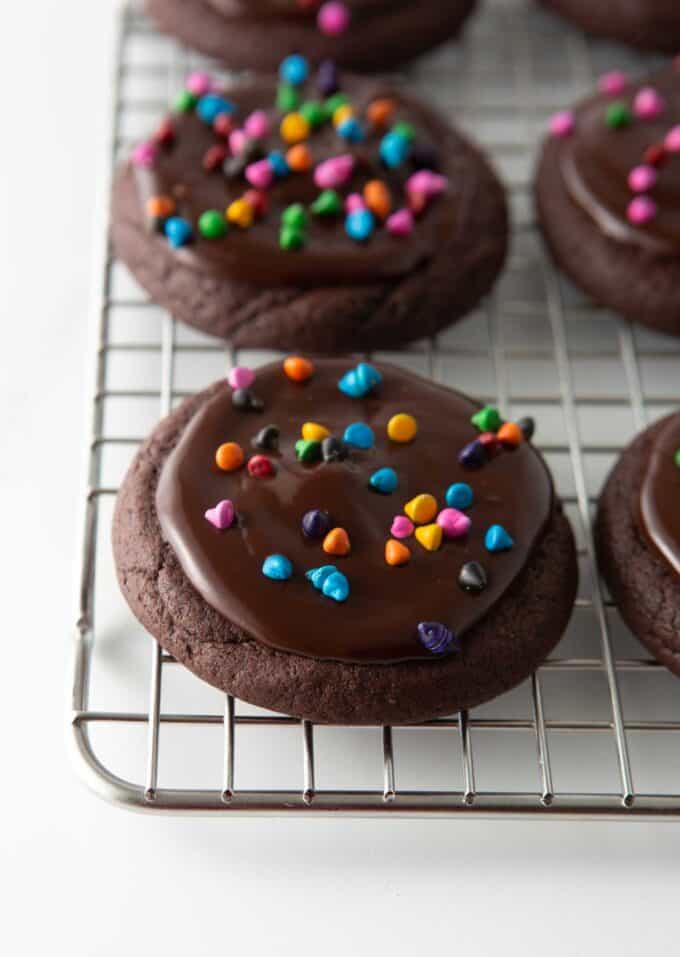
{"x": 313, "y": 112}
{"x": 617, "y": 116}
{"x": 287, "y": 98}
{"x": 406, "y": 130}
{"x": 295, "y": 216}
{"x": 327, "y": 203}
{"x": 291, "y": 238}
{"x": 334, "y": 103}
{"x": 212, "y": 224}
{"x": 308, "y": 450}
{"x": 676, "y": 458}
{"x": 185, "y": 102}
{"x": 487, "y": 419}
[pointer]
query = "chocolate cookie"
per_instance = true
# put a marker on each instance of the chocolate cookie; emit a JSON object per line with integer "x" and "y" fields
{"x": 250, "y": 35}
{"x": 638, "y": 538}
{"x": 649, "y": 24}
{"x": 344, "y": 544}
{"x": 353, "y": 221}
{"x": 606, "y": 191}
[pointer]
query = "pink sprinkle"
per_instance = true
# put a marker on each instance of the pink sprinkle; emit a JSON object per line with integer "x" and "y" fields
{"x": 199, "y": 83}
{"x": 333, "y": 19}
{"x": 642, "y": 178}
{"x": 353, "y": 202}
{"x": 241, "y": 377}
{"x": 562, "y": 124}
{"x": 222, "y": 516}
{"x": 257, "y": 125}
{"x": 400, "y": 223}
{"x": 402, "y": 527}
{"x": 641, "y": 210}
{"x": 613, "y": 83}
{"x": 672, "y": 141}
{"x": 648, "y": 104}
{"x": 260, "y": 174}
{"x": 426, "y": 183}
{"x": 453, "y": 523}
{"x": 145, "y": 155}
{"x": 334, "y": 172}
{"x": 237, "y": 141}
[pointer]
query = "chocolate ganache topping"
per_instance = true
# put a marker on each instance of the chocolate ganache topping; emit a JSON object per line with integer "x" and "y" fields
{"x": 276, "y": 219}
{"x": 620, "y": 159}
{"x": 401, "y": 590}
{"x": 660, "y": 494}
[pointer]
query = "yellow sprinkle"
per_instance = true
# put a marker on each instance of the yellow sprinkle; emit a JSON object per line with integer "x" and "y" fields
{"x": 421, "y": 509}
{"x": 402, "y": 428}
{"x": 294, "y": 128}
{"x": 344, "y": 112}
{"x": 314, "y": 432}
{"x": 241, "y": 213}
{"x": 429, "y": 536}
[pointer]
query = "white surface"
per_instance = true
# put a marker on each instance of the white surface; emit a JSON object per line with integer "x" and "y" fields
{"x": 85, "y": 878}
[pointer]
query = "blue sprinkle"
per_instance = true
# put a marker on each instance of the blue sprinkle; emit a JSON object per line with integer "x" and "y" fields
{"x": 277, "y": 567}
{"x": 360, "y": 224}
{"x": 336, "y": 587}
{"x": 359, "y": 381}
{"x": 211, "y": 105}
{"x": 437, "y": 638}
{"x": 330, "y": 582}
{"x": 394, "y": 150}
{"x": 278, "y": 163}
{"x": 294, "y": 70}
{"x": 351, "y": 130}
{"x": 384, "y": 480}
{"x": 473, "y": 456}
{"x": 459, "y": 495}
{"x": 360, "y": 435}
{"x": 317, "y": 576}
{"x": 178, "y": 231}
{"x": 497, "y": 539}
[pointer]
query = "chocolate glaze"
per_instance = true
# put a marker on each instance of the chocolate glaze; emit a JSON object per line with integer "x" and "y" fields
{"x": 596, "y": 161}
{"x": 330, "y": 256}
{"x": 379, "y": 620}
{"x": 660, "y": 495}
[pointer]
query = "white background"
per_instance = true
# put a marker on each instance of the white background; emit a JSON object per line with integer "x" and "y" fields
{"x": 86, "y": 878}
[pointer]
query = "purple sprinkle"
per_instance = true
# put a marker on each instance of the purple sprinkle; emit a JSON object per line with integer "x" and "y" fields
{"x": 316, "y": 523}
{"x": 437, "y": 638}
{"x": 473, "y": 455}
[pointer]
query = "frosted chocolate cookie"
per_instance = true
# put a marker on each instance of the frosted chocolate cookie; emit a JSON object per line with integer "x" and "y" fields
{"x": 345, "y": 543}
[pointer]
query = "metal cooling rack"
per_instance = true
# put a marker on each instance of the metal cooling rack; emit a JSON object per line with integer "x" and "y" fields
{"x": 594, "y": 732}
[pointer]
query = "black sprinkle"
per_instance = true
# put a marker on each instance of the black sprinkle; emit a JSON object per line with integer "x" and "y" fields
{"x": 473, "y": 577}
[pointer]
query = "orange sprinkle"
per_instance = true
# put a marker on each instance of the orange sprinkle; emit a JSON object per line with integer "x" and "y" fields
{"x": 229, "y": 457}
{"x": 378, "y": 198}
{"x": 299, "y": 158}
{"x": 380, "y": 112}
{"x": 510, "y": 434}
{"x": 298, "y": 369}
{"x": 336, "y": 542}
{"x": 396, "y": 553}
{"x": 160, "y": 207}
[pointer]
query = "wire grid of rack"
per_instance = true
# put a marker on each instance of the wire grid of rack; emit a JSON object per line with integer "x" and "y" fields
{"x": 594, "y": 731}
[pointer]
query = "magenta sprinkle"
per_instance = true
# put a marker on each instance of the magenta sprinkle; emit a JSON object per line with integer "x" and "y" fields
{"x": 354, "y": 202}
{"x": 641, "y": 210}
{"x": 145, "y": 155}
{"x": 642, "y": 178}
{"x": 237, "y": 141}
{"x": 199, "y": 83}
{"x": 256, "y": 126}
{"x": 400, "y": 224}
{"x": 333, "y": 19}
{"x": 648, "y": 104}
{"x": 562, "y": 124}
{"x": 260, "y": 174}
{"x": 240, "y": 377}
{"x": 426, "y": 183}
{"x": 222, "y": 515}
{"x": 672, "y": 140}
{"x": 334, "y": 172}
{"x": 612, "y": 83}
